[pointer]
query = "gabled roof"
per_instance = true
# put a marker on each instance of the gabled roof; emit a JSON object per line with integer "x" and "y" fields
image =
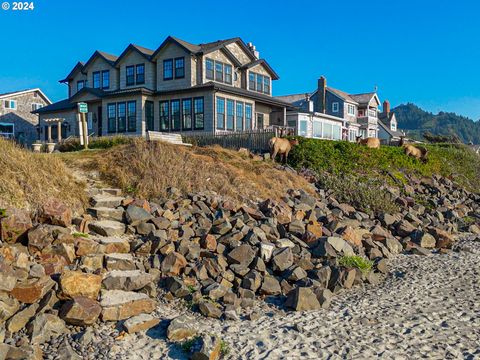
{"x": 390, "y": 131}
{"x": 191, "y": 48}
{"x": 146, "y": 53}
{"x": 265, "y": 64}
{"x": 365, "y": 97}
{"x": 88, "y": 90}
{"x": 78, "y": 66}
{"x": 343, "y": 95}
{"x": 26, "y": 91}
{"x": 61, "y": 105}
{"x": 109, "y": 58}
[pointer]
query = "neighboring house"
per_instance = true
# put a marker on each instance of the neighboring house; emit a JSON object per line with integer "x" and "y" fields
{"x": 328, "y": 113}
{"x": 16, "y": 118}
{"x": 388, "y": 126}
{"x": 180, "y": 87}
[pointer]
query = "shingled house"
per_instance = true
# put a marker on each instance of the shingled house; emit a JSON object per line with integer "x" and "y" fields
{"x": 16, "y": 118}
{"x": 181, "y": 87}
{"x": 388, "y": 126}
{"x": 329, "y": 113}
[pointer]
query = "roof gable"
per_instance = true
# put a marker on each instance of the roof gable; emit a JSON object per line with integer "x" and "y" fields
{"x": 78, "y": 67}
{"x": 109, "y": 58}
{"x": 265, "y": 65}
{"x": 22, "y": 92}
{"x": 146, "y": 53}
{"x": 188, "y": 47}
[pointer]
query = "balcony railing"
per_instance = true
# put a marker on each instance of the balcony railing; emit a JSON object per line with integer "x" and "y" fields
{"x": 368, "y": 120}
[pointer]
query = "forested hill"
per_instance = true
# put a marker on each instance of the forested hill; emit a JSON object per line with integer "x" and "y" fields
{"x": 417, "y": 121}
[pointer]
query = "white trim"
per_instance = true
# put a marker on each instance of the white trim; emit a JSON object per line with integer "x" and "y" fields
{"x": 25, "y": 92}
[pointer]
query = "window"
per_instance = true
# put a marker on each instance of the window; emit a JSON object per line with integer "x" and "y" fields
{"x": 220, "y": 113}
{"x": 361, "y": 113}
{"x": 251, "y": 81}
{"x": 132, "y": 116}
{"x": 228, "y": 74}
{"x": 260, "y": 121}
{"x": 179, "y": 68}
{"x": 164, "y": 115}
{"x": 187, "y": 114}
{"x": 351, "y": 109}
{"x": 352, "y": 135}
{"x": 149, "y": 109}
{"x": 302, "y": 127}
{"x": 10, "y": 104}
{"x": 209, "y": 69}
{"x": 96, "y": 80}
{"x": 90, "y": 121}
{"x": 248, "y": 116}
{"x": 393, "y": 126}
{"x": 80, "y": 85}
{"x": 168, "y": 69}
{"x": 111, "y": 114}
{"x": 259, "y": 86}
{"x": 335, "y": 107}
{"x": 36, "y": 106}
{"x": 121, "y": 117}
{"x": 317, "y": 129}
{"x": 218, "y": 71}
{"x": 140, "y": 73}
{"x": 130, "y": 70}
{"x": 239, "y": 116}
{"x": 7, "y": 130}
{"x": 198, "y": 113}
{"x": 337, "y": 132}
{"x": 266, "y": 85}
{"x": 327, "y": 131}
{"x": 230, "y": 114}
{"x": 175, "y": 108}
{"x": 105, "y": 79}
{"x": 372, "y": 113}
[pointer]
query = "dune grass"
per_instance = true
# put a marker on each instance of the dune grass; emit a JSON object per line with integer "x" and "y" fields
{"x": 27, "y": 180}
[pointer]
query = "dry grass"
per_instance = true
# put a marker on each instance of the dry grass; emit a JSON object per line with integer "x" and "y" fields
{"x": 148, "y": 169}
{"x": 27, "y": 180}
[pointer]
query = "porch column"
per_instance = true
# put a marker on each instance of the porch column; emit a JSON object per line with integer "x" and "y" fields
{"x": 284, "y": 116}
{"x": 59, "y": 125}
{"x": 49, "y": 133}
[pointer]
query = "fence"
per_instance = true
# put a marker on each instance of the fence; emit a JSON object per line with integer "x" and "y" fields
{"x": 255, "y": 140}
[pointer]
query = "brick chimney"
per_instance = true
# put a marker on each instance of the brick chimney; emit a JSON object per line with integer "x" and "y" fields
{"x": 386, "y": 107}
{"x": 322, "y": 90}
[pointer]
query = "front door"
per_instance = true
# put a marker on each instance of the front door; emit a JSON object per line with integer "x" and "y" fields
{"x": 100, "y": 122}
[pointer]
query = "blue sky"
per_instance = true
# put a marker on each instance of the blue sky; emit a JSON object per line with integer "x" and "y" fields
{"x": 426, "y": 52}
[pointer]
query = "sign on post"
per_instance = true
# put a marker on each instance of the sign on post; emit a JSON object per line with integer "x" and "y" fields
{"x": 83, "y": 108}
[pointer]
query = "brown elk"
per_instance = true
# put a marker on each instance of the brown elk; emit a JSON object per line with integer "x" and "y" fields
{"x": 419, "y": 153}
{"x": 281, "y": 146}
{"x": 370, "y": 142}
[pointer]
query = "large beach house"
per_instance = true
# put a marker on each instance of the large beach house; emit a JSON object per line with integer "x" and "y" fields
{"x": 328, "y": 113}
{"x": 180, "y": 87}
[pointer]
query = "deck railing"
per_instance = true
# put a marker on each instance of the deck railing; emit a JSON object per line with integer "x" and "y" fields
{"x": 253, "y": 140}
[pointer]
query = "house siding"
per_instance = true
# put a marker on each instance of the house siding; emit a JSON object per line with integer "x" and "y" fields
{"x": 239, "y": 53}
{"x": 70, "y": 118}
{"x": 100, "y": 64}
{"x": 172, "y": 51}
{"x": 79, "y": 76}
{"x": 140, "y": 117}
{"x": 134, "y": 58}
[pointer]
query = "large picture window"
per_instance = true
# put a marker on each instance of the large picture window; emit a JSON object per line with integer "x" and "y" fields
{"x": 140, "y": 73}
{"x": 220, "y": 113}
{"x": 187, "y": 114}
{"x": 164, "y": 116}
{"x": 230, "y": 114}
{"x": 175, "y": 110}
{"x": 130, "y": 75}
{"x": 239, "y": 116}
{"x": 96, "y": 80}
{"x": 112, "y": 118}
{"x": 121, "y": 117}
{"x": 179, "y": 68}
{"x": 209, "y": 69}
{"x": 105, "y": 79}
{"x": 132, "y": 116}
{"x": 168, "y": 69}
{"x": 149, "y": 115}
{"x": 248, "y": 117}
{"x": 198, "y": 113}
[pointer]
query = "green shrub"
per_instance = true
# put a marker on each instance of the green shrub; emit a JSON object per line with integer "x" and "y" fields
{"x": 224, "y": 348}
{"x": 356, "y": 261}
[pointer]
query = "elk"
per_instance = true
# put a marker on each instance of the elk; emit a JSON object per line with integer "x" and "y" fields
{"x": 281, "y": 146}
{"x": 370, "y": 142}
{"x": 419, "y": 153}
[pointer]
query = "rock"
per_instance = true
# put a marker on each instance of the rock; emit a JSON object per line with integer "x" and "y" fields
{"x": 297, "y": 274}
{"x": 242, "y": 255}
{"x": 118, "y": 261}
{"x": 14, "y": 224}
{"x": 393, "y": 245}
{"x": 92, "y": 262}
{"x": 145, "y": 228}
{"x": 20, "y": 319}
{"x": 315, "y": 228}
{"x": 8, "y": 280}
{"x": 296, "y": 227}
{"x": 379, "y": 233}
{"x": 266, "y": 251}
{"x": 115, "y": 246}
{"x": 44, "y": 327}
{"x": 215, "y": 291}
{"x": 382, "y": 266}
{"x": 210, "y": 348}
{"x": 107, "y": 227}
{"x": 66, "y": 352}
{"x": 80, "y": 311}
{"x": 323, "y": 275}
{"x": 324, "y": 297}
{"x": 31, "y": 290}
{"x": 301, "y": 299}
{"x": 136, "y": 215}
{"x": 120, "y": 305}
{"x": 282, "y": 259}
{"x": 181, "y": 328}
{"x": 353, "y": 236}
{"x": 221, "y": 227}
{"x": 443, "y": 239}
{"x": 423, "y": 239}
{"x": 278, "y": 210}
{"x": 127, "y": 280}
{"x": 55, "y": 213}
{"x": 283, "y": 243}
{"x": 24, "y": 352}
{"x": 404, "y": 228}
{"x": 140, "y": 323}
{"x": 39, "y": 238}
{"x": 76, "y": 283}
{"x": 8, "y": 307}
{"x": 209, "y": 242}
{"x": 252, "y": 281}
{"x": 270, "y": 286}
{"x": 106, "y": 213}
{"x": 105, "y": 200}
{"x": 173, "y": 264}
{"x": 209, "y": 309}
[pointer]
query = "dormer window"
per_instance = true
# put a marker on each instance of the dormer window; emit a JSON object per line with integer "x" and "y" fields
{"x": 179, "y": 68}
{"x": 96, "y": 80}
{"x": 105, "y": 79}
{"x": 335, "y": 107}
{"x": 140, "y": 73}
{"x": 259, "y": 83}
{"x": 393, "y": 126}
{"x": 218, "y": 71}
{"x": 130, "y": 72}
{"x": 228, "y": 74}
{"x": 209, "y": 65}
